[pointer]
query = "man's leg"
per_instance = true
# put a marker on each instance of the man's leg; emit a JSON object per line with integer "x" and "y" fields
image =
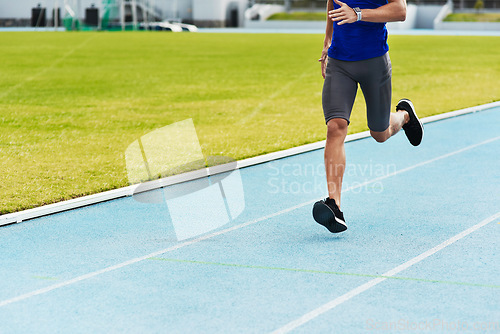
{"x": 335, "y": 157}
{"x": 339, "y": 92}
{"x": 404, "y": 118}
{"x": 397, "y": 120}
{"x": 377, "y": 90}
{"x": 327, "y": 212}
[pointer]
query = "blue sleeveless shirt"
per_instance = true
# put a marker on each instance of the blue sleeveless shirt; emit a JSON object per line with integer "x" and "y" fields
{"x": 359, "y": 40}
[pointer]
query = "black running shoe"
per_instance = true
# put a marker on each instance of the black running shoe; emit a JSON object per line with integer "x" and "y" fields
{"x": 414, "y": 129}
{"x": 327, "y": 213}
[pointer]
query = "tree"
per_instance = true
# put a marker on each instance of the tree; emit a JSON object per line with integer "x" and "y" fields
{"x": 479, "y": 5}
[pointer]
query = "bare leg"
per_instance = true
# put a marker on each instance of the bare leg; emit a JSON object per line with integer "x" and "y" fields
{"x": 398, "y": 119}
{"x": 335, "y": 157}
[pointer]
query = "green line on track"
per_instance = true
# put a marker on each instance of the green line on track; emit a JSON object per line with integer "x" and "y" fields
{"x": 326, "y": 272}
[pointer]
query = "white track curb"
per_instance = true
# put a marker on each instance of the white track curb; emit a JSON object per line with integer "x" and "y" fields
{"x": 17, "y": 217}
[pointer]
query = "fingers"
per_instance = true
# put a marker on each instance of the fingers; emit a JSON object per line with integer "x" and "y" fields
{"x": 340, "y": 18}
{"x": 324, "y": 54}
{"x": 338, "y": 10}
{"x": 323, "y": 66}
{"x": 340, "y": 15}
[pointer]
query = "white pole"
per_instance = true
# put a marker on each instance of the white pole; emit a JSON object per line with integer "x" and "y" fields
{"x": 73, "y": 21}
{"x": 79, "y": 4}
{"x": 99, "y": 18}
{"x": 56, "y": 17}
{"x": 145, "y": 15}
{"x": 122, "y": 13}
{"x": 134, "y": 14}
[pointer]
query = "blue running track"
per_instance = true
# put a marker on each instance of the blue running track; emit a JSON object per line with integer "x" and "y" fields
{"x": 421, "y": 253}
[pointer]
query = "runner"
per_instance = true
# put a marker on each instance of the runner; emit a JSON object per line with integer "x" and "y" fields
{"x": 355, "y": 52}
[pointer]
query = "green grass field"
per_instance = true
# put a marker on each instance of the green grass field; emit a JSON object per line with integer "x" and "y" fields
{"x": 473, "y": 17}
{"x": 299, "y": 16}
{"x": 321, "y": 16}
{"x": 71, "y": 103}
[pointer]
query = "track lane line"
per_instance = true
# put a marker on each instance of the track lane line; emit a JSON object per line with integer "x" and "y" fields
{"x": 370, "y": 284}
{"x": 233, "y": 228}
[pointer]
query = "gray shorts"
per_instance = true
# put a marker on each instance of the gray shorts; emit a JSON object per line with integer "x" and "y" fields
{"x": 341, "y": 85}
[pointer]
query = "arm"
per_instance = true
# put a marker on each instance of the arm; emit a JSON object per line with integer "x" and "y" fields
{"x": 394, "y": 10}
{"x": 328, "y": 38}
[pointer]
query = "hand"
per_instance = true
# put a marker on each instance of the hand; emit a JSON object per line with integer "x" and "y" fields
{"x": 342, "y": 15}
{"x": 323, "y": 60}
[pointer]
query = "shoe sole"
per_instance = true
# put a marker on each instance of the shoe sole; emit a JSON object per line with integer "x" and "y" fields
{"x": 412, "y": 107}
{"x": 323, "y": 215}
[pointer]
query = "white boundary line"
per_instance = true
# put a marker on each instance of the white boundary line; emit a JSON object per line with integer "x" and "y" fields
{"x": 370, "y": 284}
{"x": 233, "y": 228}
{"x": 46, "y": 69}
{"x": 18, "y": 217}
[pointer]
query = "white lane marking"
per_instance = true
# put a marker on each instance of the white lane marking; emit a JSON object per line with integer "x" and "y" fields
{"x": 211, "y": 235}
{"x": 46, "y": 69}
{"x": 370, "y": 284}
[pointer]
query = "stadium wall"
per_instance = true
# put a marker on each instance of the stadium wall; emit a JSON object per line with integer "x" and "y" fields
{"x": 426, "y": 15}
{"x": 219, "y": 13}
{"x": 205, "y": 13}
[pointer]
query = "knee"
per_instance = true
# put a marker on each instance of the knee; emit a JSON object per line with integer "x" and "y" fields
{"x": 380, "y": 137}
{"x": 336, "y": 128}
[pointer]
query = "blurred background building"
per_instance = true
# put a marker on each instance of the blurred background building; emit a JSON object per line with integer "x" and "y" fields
{"x": 133, "y": 14}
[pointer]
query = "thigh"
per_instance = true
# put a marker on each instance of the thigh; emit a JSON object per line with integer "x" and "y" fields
{"x": 339, "y": 91}
{"x": 377, "y": 90}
